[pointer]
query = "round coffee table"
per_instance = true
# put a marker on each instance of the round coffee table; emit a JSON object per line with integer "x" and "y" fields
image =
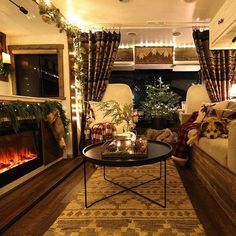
{"x": 158, "y": 152}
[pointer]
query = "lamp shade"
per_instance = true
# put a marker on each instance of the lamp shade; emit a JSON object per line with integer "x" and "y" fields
{"x": 6, "y": 59}
{"x": 233, "y": 91}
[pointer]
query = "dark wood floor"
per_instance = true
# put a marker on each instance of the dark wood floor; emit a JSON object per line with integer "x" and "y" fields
{"x": 213, "y": 219}
{"x": 37, "y": 220}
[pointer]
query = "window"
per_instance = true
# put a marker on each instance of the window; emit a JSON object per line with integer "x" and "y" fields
{"x": 37, "y": 70}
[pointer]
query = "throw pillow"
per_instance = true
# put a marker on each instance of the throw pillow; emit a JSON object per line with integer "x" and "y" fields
{"x": 222, "y": 113}
{"x": 203, "y": 111}
{"x": 98, "y": 114}
{"x": 206, "y": 107}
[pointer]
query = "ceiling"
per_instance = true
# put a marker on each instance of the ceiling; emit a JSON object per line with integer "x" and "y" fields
{"x": 153, "y": 21}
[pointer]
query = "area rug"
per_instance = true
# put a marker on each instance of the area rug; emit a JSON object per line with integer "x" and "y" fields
{"x": 128, "y": 214}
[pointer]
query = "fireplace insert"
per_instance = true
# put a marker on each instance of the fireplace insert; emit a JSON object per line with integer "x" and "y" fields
{"x": 20, "y": 152}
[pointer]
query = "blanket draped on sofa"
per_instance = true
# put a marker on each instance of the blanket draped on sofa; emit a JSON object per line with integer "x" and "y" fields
{"x": 181, "y": 145}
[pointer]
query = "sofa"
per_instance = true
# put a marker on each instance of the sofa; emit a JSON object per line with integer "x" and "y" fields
{"x": 214, "y": 160}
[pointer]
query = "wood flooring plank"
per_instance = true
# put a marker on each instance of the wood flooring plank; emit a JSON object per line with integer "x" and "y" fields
{"x": 19, "y": 201}
{"x": 212, "y": 217}
{"x": 41, "y": 216}
{"x": 37, "y": 221}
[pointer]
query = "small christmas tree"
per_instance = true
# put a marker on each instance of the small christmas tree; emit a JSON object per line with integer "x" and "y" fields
{"x": 160, "y": 102}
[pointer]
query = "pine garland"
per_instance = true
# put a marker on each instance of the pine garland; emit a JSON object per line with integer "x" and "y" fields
{"x": 50, "y": 14}
{"x": 23, "y": 110}
{"x": 4, "y": 70}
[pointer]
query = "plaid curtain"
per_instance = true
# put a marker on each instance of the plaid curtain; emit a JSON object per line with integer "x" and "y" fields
{"x": 101, "y": 49}
{"x": 217, "y": 67}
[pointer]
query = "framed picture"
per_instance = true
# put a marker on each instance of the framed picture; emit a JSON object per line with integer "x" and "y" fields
{"x": 153, "y": 55}
{"x": 125, "y": 54}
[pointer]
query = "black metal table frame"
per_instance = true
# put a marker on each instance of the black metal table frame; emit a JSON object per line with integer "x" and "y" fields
{"x": 126, "y": 188}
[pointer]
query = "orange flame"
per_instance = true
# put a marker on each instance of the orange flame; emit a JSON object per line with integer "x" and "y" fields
{"x": 10, "y": 158}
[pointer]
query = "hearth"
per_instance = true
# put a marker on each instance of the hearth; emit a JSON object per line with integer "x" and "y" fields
{"x": 20, "y": 152}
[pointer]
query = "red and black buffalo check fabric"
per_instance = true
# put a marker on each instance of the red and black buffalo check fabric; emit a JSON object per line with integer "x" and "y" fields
{"x": 181, "y": 145}
{"x": 102, "y": 132}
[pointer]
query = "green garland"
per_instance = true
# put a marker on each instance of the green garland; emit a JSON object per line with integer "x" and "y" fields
{"x": 19, "y": 109}
{"x": 51, "y": 14}
{"x": 4, "y": 69}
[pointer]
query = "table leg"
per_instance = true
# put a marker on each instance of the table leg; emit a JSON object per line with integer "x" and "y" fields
{"x": 85, "y": 185}
{"x": 125, "y": 188}
{"x": 160, "y": 170}
{"x": 104, "y": 172}
{"x": 135, "y": 186}
{"x": 164, "y": 183}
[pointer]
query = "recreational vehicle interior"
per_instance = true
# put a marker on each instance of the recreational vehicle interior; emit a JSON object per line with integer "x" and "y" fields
{"x": 59, "y": 56}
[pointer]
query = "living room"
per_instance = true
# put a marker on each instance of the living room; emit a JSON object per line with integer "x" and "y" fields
{"x": 46, "y": 81}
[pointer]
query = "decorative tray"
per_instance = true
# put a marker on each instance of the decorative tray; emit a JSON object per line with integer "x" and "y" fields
{"x": 125, "y": 150}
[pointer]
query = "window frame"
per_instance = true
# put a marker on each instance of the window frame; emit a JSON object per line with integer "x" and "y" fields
{"x": 38, "y": 49}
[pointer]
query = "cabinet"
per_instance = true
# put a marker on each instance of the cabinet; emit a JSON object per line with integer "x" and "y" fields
{"x": 223, "y": 27}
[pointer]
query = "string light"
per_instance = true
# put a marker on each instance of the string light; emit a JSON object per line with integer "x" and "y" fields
{"x": 48, "y": 2}
{"x": 45, "y": 72}
{"x": 50, "y": 14}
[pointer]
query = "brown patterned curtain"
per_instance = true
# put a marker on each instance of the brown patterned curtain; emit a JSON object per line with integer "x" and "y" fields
{"x": 217, "y": 67}
{"x": 101, "y": 49}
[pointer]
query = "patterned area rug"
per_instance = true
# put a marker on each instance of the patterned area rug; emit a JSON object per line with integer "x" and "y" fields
{"x": 127, "y": 214}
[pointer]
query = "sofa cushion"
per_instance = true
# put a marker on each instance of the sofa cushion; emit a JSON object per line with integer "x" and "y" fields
{"x": 216, "y": 148}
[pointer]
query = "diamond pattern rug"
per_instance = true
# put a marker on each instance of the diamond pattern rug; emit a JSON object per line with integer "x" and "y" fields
{"x": 128, "y": 214}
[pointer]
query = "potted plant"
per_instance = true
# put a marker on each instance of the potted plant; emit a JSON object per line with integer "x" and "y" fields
{"x": 119, "y": 113}
{"x": 160, "y": 104}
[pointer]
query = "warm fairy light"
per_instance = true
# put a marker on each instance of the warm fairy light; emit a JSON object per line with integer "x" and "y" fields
{"x": 72, "y": 53}
{"x": 233, "y": 91}
{"x": 160, "y": 43}
{"x": 185, "y": 46}
{"x": 155, "y": 44}
{"x": 48, "y": 2}
{"x": 125, "y": 46}
{"x": 71, "y": 17}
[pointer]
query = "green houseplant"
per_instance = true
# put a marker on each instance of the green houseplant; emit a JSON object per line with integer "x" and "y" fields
{"x": 119, "y": 113}
{"x": 160, "y": 104}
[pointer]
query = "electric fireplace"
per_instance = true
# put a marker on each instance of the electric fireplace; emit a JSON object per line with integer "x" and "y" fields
{"x": 20, "y": 152}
